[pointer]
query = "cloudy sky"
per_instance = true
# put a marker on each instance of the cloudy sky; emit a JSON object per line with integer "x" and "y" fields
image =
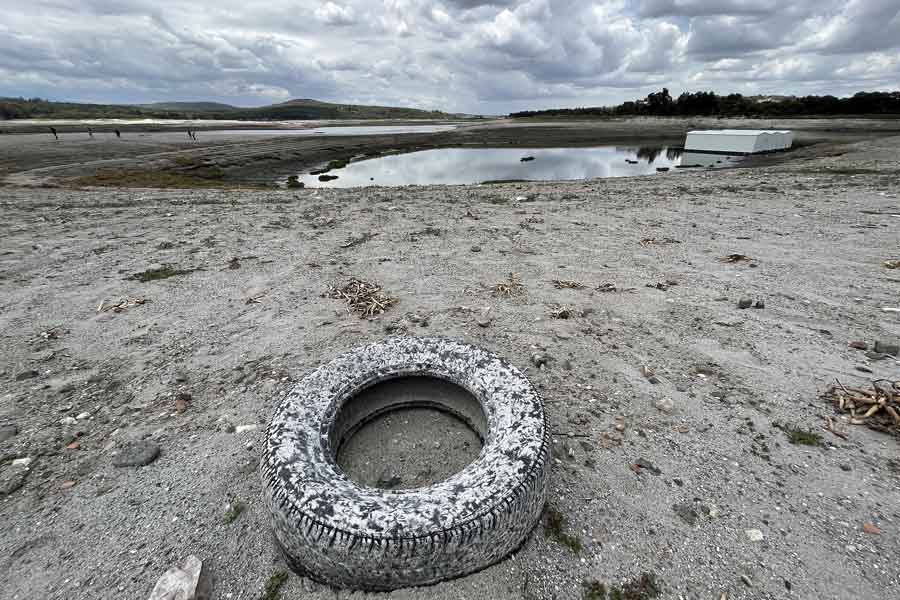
{"x": 455, "y": 55}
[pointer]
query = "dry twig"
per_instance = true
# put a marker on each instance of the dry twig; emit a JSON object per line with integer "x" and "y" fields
{"x": 511, "y": 287}
{"x": 362, "y": 297}
{"x": 563, "y": 284}
{"x": 877, "y": 408}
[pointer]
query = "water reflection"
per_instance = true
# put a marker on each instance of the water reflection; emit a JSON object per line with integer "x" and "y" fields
{"x": 477, "y": 165}
{"x": 704, "y": 159}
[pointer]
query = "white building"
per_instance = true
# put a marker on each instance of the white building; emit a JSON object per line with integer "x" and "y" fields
{"x": 738, "y": 141}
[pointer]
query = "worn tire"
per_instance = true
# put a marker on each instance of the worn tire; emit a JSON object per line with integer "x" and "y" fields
{"x": 346, "y": 535}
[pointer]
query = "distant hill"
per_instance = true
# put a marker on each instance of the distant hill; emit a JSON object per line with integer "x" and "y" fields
{"x": 188, "y": 106}
{"x": 301, "y": 109}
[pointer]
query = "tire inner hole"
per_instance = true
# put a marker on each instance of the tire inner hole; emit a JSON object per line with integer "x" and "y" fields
{"x": 408, "y": 432}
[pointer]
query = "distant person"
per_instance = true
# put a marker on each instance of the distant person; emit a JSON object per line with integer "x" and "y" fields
{"x": 90, "y": 133}
{"x": 194, "y": 135}
{"x": 118, "y": 133}
{"x": 190, "y": 135}
{"x": 53, "y": 131}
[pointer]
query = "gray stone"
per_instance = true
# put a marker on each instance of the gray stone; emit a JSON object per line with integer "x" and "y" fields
{"x": 8, "y": 431}
{"x": 760, "y": 304}
{"x": 138, "y": 454}
{"x": 181, "y": 582}
{"x": 31, "y": 374}
{"x": 885, "y": 347}
{"x": 665, "y": 405}
{"x": 539, "y": 359}
{"x": 745, "y": 303}
{"x": 11, "y": 479}
{"x": 685, "y": 511}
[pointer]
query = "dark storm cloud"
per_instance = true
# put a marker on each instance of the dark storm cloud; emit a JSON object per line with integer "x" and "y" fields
{"x": 470, "y": 55}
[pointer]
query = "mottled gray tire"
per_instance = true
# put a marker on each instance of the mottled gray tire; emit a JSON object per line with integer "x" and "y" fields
{"x": 346, "y": 535}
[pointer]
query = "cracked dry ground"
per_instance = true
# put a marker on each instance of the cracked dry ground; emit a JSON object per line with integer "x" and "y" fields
{"x": 688, "y": 478}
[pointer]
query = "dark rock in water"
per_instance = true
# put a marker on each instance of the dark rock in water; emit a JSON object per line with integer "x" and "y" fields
{"x": 327, "y": 177}
{"x": 294, "y": 182}
{"x": 887, "y": 348}
{"x": 662, "y": 169}
{"x": 27, "y": 375}
{"x": 527, "y": 159}
{"x": 138, "y": 454}
{"x": 745, "y": 303}
{"x": 7, "y": 431}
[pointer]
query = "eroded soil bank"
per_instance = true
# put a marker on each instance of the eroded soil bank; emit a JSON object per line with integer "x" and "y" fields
{"x": 692, "y": 478}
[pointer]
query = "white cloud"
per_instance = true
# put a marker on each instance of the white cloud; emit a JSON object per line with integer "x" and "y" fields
{"x": 469, "y": 55}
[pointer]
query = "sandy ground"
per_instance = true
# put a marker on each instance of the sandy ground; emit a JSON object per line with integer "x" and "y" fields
{"x": 78, "y": 385}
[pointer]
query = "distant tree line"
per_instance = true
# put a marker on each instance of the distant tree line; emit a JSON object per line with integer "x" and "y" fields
{"x": 660, "y": 104}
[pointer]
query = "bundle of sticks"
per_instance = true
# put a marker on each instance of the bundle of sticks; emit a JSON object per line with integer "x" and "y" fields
{"x": 878, "y": 407}
{"x": 366, "y": 299}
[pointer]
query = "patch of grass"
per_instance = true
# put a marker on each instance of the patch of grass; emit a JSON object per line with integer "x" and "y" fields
{"x": 593, "y": 590}
{"x": 555, "y": 528}
{"x": 204, "y": 177}
{"x": 272, "y": 590}
{"x": 164, "y": 272}
{"x": 803, "y": 438}
{"x": 234, "y": 511}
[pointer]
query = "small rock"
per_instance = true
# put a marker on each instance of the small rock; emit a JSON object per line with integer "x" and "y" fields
{"x": 846, "y": 467}
{"x": 644, "y": 464}
{"x": 760, "y": 304}
{"x": 68, "y": 421}
{"x": 484, "y": 322}
{"x": 182, "y": 582}
{"x": 8, "y": 431}
{"x": 754, "y": 535}
{"x": 887, "y": 347}
{"x": 872, "y": 355}
{"x": 138, "y": 454}
{"x": 539, "y": 359}
{"x": 746, "y": 581}
{"x": 245, "y": 428}
{"x": 685, "y": 511}
{"x": 649, "y": 374}
{"x": 27, "y": 375}
{"x": 83, "y": 416}
{"x": 745, "y": 303}
{"x": 22, "y": 462}
{"x": 475, "y": 248}
{"x": 11, "y": 480}
{"x": 182, "y": 399}
{"x": 67, "y": 485}
{"x": 665, "y": 405}
{"x": 858, "y": 345}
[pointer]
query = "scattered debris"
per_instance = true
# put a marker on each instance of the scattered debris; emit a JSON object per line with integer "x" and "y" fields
{"x": 760, "y": 304}
{"x": 561, "y": 284}
{"x": 734, "y": 258}
{"x": 539, "y": 359}
{"x": 256, "y": 298}
{"x": 606, "y": 287}
{"x": 871, "y": 529}
{"x": 686, "y": 512}
{"x": 649, "y": 374}
{"x": 163, "y": 272}
{"x": 122, "y": 305}
{"x": 182, "y": 400}
{"x": 663, "y": 286}
{"x": 658, "y": 242}
{"x": 234, "y": 263}
{"x": 356, "y": 240}
{"x": 526, "y": 159}
{"x": 878, "y": 408}
{"x": 642, "y": 464}
{"x": 561, "y": 312}
{"x": 181, "y": 582}
{"x": 362, "y": 297}
{"x": 511, "y": 287}
{"x": 53, "y": 333}
{"x": 892, "y": 264}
